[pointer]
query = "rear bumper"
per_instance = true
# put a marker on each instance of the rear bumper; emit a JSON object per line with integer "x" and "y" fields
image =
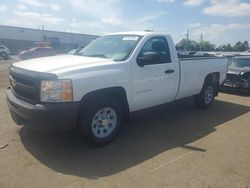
{"x": 45, "y": 117}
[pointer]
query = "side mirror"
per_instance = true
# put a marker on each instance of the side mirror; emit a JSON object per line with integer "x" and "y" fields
{"x": 148, "y": 58}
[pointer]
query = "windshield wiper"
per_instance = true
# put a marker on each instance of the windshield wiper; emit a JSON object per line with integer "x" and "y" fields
{"x": 96, "y": 55}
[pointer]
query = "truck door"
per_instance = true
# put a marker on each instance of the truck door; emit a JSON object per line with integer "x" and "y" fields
{"x": 156, "y": 81}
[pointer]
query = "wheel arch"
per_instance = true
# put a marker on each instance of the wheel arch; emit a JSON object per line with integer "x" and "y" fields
{"x": 215, "y": 78}
{"x": 119, "y": 93}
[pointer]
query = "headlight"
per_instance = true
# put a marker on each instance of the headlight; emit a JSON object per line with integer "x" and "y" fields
{"x": 56, "y": 91}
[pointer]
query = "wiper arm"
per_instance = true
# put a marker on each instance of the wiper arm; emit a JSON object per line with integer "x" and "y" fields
{"x": 96, "y": 55}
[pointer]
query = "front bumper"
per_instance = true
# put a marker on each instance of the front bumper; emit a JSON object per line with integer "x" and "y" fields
{"x": 45, "y": 117}
{"x": 239, "y": 85}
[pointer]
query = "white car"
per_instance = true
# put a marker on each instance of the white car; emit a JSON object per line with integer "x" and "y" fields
{"x": 116, "y": 74}
{"x": 4, "y": 52}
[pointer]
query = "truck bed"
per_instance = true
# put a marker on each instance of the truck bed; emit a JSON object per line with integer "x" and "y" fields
{"x": 193, "y": 71}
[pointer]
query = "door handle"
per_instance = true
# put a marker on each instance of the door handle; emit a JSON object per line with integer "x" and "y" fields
{"x": 169, "y": 71}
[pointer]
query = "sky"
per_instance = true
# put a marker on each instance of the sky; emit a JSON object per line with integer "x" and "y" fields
{"x": 220, "y": 21}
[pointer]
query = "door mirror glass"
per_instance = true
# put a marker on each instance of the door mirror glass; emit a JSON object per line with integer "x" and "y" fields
{"x": 148, "y": 58}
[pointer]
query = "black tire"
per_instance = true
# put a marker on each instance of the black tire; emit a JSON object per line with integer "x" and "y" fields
{"x": 89, "y": 112}
{"x": 4, "y": 55}
{"x": 206, "y": 97}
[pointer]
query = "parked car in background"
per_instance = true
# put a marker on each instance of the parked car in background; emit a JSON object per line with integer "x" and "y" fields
{"x": 4, "y": 52}
{"x": 238, "y": 75}
{"x": 247, "y": 52}
{"x": 37, "y": 52}
{"x": 75, "y": 51}
{"x": 204, "y": 53}
{"x": 185, "y": 53}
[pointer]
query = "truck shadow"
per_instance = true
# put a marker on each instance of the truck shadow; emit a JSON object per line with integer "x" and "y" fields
{"x": 149, "y": 133}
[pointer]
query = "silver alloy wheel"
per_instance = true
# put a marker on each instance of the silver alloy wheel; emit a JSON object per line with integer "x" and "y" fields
{"x": 104, "y": 122}
{"x": 209, "y": 93}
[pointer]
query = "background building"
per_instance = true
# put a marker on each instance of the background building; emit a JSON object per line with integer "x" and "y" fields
{"x": 19, "y": 38}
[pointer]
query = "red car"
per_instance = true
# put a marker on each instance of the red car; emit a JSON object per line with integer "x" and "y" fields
{"x": 37, "y": 52}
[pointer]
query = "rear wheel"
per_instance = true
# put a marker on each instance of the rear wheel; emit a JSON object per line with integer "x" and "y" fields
{"x": 100, "y": 120}
{"x": 206, "y": 97}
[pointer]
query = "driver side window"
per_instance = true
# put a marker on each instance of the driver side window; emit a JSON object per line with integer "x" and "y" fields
{"x": 159, "y": 45}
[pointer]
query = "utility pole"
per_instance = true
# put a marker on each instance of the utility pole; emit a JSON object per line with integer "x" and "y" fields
{"x": 187, "y": 35}
{"x": 201, "y": 42}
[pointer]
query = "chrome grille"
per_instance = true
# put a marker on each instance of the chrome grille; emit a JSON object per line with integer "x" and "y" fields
{"x": 24, "y": 87}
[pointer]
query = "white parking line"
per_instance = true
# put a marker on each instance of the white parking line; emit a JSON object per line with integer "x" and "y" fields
{"x": 169, "y": 162}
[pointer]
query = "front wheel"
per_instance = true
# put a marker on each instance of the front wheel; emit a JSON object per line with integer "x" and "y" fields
{"x": 206, "y": 97}
{"x": 101, "y": 120}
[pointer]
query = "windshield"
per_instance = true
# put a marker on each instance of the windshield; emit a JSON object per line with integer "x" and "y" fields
{"x": 115, "y": 47}
{"x": 238, "y": 62}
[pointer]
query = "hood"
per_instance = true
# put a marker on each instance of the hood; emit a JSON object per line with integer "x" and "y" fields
{"x": 61, "y": 63}
{"x": 237, "y": 70}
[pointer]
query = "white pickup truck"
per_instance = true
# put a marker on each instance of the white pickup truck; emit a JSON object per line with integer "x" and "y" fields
{"x": 114, "y": 75}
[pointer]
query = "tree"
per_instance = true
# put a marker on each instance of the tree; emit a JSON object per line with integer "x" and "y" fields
{"x": 225, "y": 48}
{"x": 192, "y": 45}
{"x": 239, "y": 46}
{"x": 246, "y": 44}
{"x": 207, "y": 46}
{"x": 185, "y": 44}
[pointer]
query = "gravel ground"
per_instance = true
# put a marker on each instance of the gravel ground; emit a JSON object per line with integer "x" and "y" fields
{"x": 173, "y": 145}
